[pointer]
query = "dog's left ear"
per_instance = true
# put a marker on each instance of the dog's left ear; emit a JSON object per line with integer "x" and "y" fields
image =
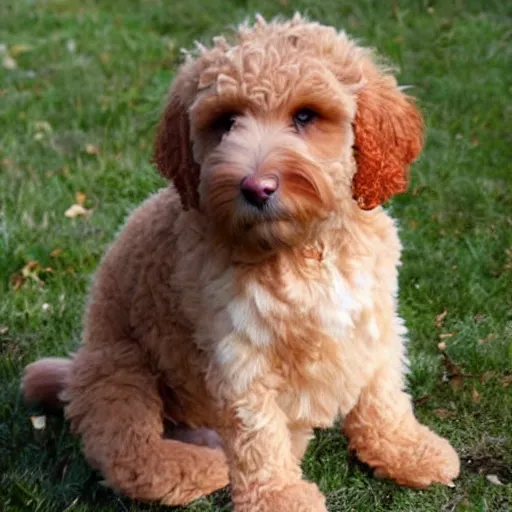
{"x": 388, "y": 137}
{"x": 173, "y": 153}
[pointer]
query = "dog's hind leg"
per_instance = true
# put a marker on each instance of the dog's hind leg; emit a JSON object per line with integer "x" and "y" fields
{"x": 385, "y": 434}
{"x": 113, "y": 403}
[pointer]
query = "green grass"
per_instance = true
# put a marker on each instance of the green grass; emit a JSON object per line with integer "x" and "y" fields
{"x": 77, "y": 114}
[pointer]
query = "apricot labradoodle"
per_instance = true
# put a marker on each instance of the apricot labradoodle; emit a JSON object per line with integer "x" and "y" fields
{"x": 254, "y": 298}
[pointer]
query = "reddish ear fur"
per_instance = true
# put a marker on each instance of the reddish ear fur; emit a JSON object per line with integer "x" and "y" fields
{"x": 173, "y": 153}
{"x": 388, "y": 137}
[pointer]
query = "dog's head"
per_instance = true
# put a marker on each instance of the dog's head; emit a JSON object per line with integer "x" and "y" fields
{"x": 292, "y": 123}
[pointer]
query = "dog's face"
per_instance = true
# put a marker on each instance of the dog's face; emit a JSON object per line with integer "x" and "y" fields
{"x": 291, "y": 125}
{"x": 267, "y": 151}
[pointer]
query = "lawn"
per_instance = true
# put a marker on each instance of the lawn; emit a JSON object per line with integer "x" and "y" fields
{"x": 81, "y": 87}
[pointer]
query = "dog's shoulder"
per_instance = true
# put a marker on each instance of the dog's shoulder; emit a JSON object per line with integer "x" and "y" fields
{"x": 145, "y": 236}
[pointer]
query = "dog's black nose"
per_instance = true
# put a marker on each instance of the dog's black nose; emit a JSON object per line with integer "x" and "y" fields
{"x": 257, "y": 191}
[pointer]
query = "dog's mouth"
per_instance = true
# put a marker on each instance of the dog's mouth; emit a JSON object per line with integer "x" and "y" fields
{"x": 269, "y": 234}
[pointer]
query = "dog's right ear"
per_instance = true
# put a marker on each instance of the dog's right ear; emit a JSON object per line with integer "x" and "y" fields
{"x": 173, "y": 153}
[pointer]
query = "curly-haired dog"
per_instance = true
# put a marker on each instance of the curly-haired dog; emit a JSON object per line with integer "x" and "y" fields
{"x": 256, "y": 295}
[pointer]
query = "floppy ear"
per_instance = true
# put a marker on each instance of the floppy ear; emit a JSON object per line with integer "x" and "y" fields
{"x": 388, "y": 137}
{"x": 173, "y": 153}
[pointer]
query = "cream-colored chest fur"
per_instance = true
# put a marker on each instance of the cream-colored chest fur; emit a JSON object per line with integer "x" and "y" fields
{"x": 313, "y": 337}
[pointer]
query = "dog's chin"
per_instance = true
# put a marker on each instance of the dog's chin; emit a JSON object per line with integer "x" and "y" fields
{"x": 262, "y": 238}
{"x": 269, "y": 236}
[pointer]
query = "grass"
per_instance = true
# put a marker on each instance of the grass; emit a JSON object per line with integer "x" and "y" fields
{"x": 77, "y": 114}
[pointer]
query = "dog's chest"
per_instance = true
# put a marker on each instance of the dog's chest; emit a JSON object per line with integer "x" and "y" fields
{"x": 303, "y": 336}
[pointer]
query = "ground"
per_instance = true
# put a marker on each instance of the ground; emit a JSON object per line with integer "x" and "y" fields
{"x": 82, "y": 83}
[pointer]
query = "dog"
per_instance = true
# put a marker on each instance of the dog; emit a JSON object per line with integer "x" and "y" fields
{"x": 255, "y": 297}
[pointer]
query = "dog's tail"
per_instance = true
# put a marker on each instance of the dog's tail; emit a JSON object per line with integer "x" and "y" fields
{"x": 44, "y": 380}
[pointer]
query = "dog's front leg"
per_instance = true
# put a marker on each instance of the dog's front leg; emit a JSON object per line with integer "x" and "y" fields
{"x": 265, "y": 475}
{"x": 385, "y": 434}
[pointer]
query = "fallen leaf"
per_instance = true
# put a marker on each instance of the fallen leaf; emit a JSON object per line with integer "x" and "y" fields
{"x": 422, "y": 400}
{"x": 17, "y": 281}
{"x": 454, "y": 375}
{"x": 475, "y": 396}
{"x": 55, "y": 252}
{"x": 446, "y": 335}
{"x": 488, "y": 338}
{"x": 76, "y": 210}
{"x": 452, "y": 368}
{"x": 486, "y": 376}
{"x": 494, "y": 479}
{"x": 506, "y": 381}
{"x": 441, "y": 346}
{"x": 9, "y": 63}
{"x": 456, "y": 382}
{"x": 3, "y": 330}
{"x": 440, "y": 318}
{"x": 18, "y": 49}
{"x": 443, "y": 413}
{"x": 80, "y": 198}
{"x": 91, "y": 149}
{"x": 38, "y": 422}
{"x": 31, "y": 271}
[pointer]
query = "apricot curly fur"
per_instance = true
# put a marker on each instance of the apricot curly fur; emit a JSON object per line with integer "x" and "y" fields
{"x": 226, "y": 322}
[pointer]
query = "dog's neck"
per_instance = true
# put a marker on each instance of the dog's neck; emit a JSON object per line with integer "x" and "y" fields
{"x": 329, "y": 237}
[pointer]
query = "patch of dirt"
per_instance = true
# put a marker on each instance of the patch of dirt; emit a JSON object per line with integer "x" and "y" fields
{"x": 487, "y": 465}
{"x": 489, "y": 457}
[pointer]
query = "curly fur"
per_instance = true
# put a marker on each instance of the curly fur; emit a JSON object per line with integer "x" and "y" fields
{"x": 257, "y": 323}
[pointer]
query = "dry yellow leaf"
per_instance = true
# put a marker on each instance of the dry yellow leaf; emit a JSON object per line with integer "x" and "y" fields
{"x": 80, "y": 198}
{"x": 76, "y": 210}
{"x": 440, "y": 318}
{"x": 18, "y": 49}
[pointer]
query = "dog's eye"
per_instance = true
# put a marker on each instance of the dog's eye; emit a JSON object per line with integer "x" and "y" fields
{"x": 303, "y": 117}
{"x": 224, "y": 123}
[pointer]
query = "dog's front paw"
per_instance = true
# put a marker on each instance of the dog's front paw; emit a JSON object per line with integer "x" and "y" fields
{"x": 432, "y": 460}
{"x": 299, "y": 497}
